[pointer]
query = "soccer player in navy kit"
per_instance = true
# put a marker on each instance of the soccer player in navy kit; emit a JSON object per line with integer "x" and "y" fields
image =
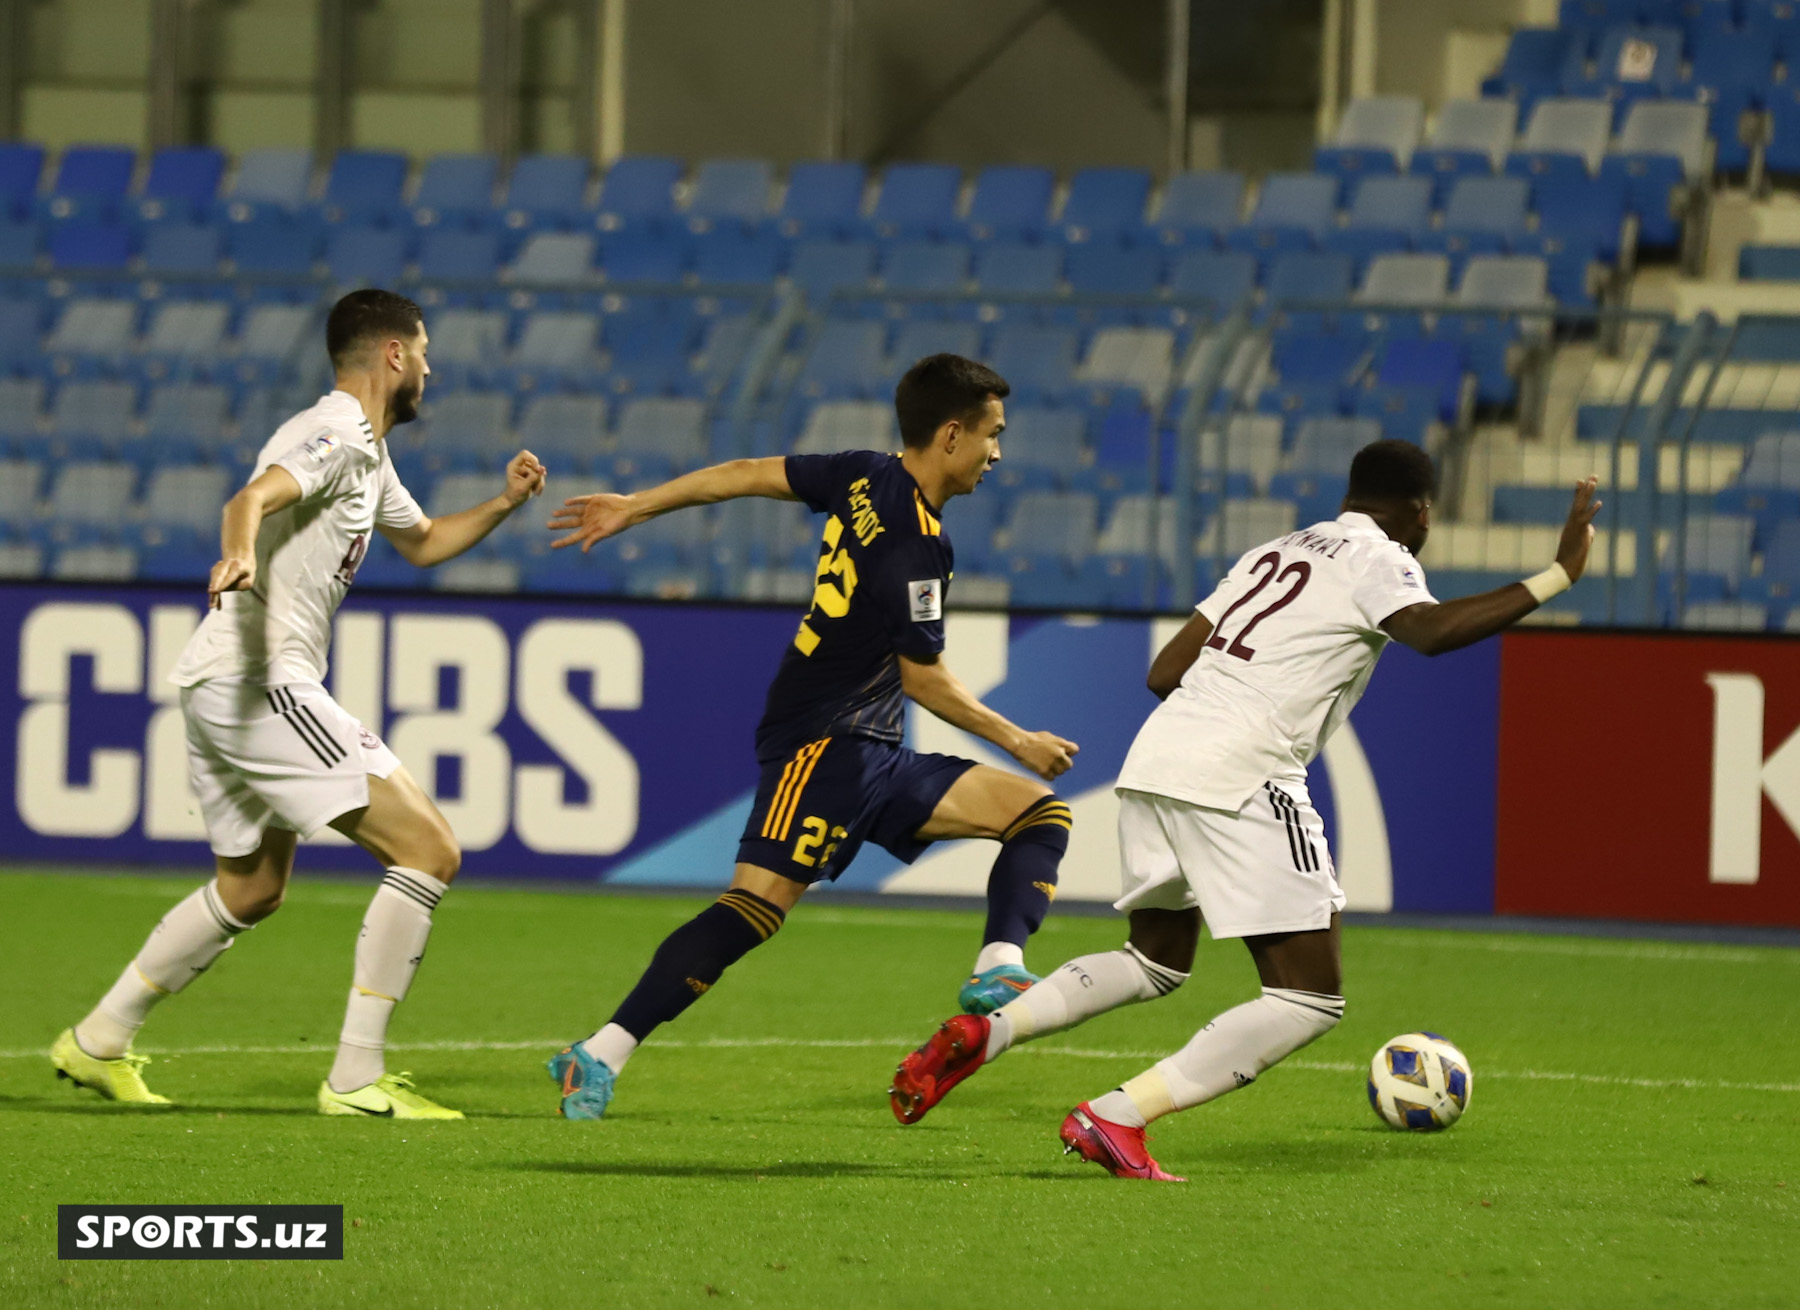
{"x": 834, "y": 773}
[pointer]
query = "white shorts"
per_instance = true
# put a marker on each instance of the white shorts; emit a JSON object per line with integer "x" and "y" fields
{"x": 1262, "y": 870}
{"x": 285, "y": 757}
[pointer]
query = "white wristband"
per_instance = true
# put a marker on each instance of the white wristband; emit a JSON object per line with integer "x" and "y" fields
{"x": 1553, "y": 581}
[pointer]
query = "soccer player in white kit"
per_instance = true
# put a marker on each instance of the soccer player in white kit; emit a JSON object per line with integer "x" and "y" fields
{"x": 271, "y": 756}
{"x": 1214, "y": 816}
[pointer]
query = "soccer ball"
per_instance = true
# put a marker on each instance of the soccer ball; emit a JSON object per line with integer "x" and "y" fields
{"x": 1420, "y": 1081}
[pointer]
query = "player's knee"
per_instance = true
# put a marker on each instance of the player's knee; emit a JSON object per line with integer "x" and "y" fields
{"x": 1047, "y": 821}
{"x": 1159, "y": 979}
{"x": 250, "y": 901}
{"x": 1167, "y": 938}
{"x": 441, "y": 858}
{"x": 1314, "y": 1013}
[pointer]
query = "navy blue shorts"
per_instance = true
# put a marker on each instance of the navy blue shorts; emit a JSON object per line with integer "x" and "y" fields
{"x": 814, "y": 809}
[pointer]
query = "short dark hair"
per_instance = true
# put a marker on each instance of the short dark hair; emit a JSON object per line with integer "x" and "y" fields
{"x": 1392, "y": 472}
{"x": 368, "y": 313}
{"x": 940, "y": 388}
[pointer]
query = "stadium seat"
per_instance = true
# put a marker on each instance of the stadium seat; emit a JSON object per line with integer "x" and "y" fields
{"x": 1732, "y": 73}
{"x": 1430, "y": 365}
{"x": 729, "y": 190}
{"x": 1405, "y": 413}
{"x": 1326, "y": 445}
{"x": 1716, "y": 544}
{"x": 1470, "y": 137}
{"x": 1060, "y": 525}
{"x": 929, "y": 336}
{"x": 175, "y": 249}
{"x": 455, "y": 187}
{"x": 466, "y": 340}
{"x": 1251, "y": 449}
{"x": 1662, "y": 147}
{"x": 21, "y": 242}
{"x": 1301, "y": 277}
{"x": 1006, "y": 269}
{"x": 1102, "y": 268}
{"x": 1634, "y": 56}
{"x": 1509, "y": 281}
{"x": 1241, "y": 525}
{"x": 1010, "y": 200}
{"x": 88, "y": 245}
{"x": 277, "y": 178}
{"x": 93, "y": 327}
{"x": 1377, "y": 134}
{"x": 925, "y": 266}
{"x": 189, "y": 499}
{"x": 823, "y": 198}
{"x": 95, "y": 563}
{"x": 1142, "y": 359}
{"x": 732, "y": 255}
{"x": 848, "y": 425}
{"x": 1725, "y": 616}
{"x": 638, "y": 254}
{"x": 555, "y": 258}
{"x": 272, "y": 246}
{"x": 638, "y": 189}
{"x": 357, "y": 256}
{"x": 847, "y": 358}
{"x": 1051, "y": 439}
{"x": 564, "y": 427}
{"x": 1293, "y": 210}
{"x": 1774, "y": 461}
{"x": 1565, "y": 136}
{"x": 21, "y": 166}
{"x": 448, "y": 254}
{"x": 1317, "y": 497}
{"x": 1104, "y": 204}
{"x": 1133, "y": 521}
{"x": 1492, "y": 211}
{"x": 364, "y": 184}
{"x": 273, "y": 332}
{"x": 1222, "y": 278}
{"x": 466, "y": 430}
{"x": 820, "y": 268}
{"x": 91, "y": 181}
{"x": 183, "y": 182}
{"x": 545, "y": 188}
{"x": 187, "y": 330}
{"x": 675, "y": 429}
{"x": 1200, "y": 204}
{"x": 1406, "y": 280}
{"x": 89, "y": 494}
{"x": 916, "y": 200}
{"x": 20, "y": 481}
{"x": 558, "y": 342}
{"x": 186, "y": 421}
{"x": 93, "y": 418}
{"x": 1386, "y": 215}
{"x": 1533, "y": 64}
{"x": 1038, "y": 361}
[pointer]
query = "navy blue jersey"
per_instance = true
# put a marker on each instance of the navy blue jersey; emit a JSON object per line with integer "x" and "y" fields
{"x": 884, "y": 565}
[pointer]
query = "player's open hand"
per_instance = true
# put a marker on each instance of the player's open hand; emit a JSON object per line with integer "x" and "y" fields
{"x": 524, "y": 478}
{"x": 1046, "y": 754}
{"x": 588, "y": 519}
{"x": 1578, "y": 532}
{"x": 229, "y": 575}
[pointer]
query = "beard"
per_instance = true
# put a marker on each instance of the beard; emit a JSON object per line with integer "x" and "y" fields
{"x": 404, "y": 407}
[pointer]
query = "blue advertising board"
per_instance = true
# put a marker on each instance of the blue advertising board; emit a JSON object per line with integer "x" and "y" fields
{"x": 611, "y": 741}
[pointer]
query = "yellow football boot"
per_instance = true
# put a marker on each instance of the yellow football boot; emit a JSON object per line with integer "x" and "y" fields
{"x": 390, "y": 1096}
{"x": 119, "y": 1080}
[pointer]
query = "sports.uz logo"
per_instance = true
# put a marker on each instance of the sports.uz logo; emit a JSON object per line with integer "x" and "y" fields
{"x": 200, "y": 1232}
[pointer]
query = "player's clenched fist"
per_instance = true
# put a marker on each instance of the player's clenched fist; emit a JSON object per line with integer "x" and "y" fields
{"x": 230, "y": 575}
{"x": 589, "y": 519}
{"x": 1046, "y": 754}
{"x": 524, "y": 478}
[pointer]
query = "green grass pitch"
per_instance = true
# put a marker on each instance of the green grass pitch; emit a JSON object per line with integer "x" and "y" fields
{"x": 1634, "y": 1136}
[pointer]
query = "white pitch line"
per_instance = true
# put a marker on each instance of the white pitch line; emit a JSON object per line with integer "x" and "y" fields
{"x": 901, "y": 1044}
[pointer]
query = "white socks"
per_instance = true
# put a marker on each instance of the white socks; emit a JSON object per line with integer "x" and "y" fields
{"x": 1228, "y": 1053}
{"x": 612, "y": 1046}
{"x": 180, "y": 948}
{"x": 394, "y": 933}
{"x": 995, "y": 954}
{"x": 1082, "y": 988}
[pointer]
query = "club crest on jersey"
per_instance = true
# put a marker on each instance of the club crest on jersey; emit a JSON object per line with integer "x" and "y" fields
{"x": 925, "y": 600}
{"x": 320, "y": 447}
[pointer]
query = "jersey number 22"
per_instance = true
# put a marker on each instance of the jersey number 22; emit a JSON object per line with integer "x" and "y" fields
{"x": 1299, "y": 573}
{"x": 836, "y": 583}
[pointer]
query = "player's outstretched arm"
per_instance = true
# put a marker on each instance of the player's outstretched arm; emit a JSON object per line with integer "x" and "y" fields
{"x": 432, "y": 541}
{"x": 931, "y": 684}
{"x": 1436, "y": 629}
{"x": 273, "y": 489}
{"x": 1174, "y": 660}
{"x": 589, "y": 519}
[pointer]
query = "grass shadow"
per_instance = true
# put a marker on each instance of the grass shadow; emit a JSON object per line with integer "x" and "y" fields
{"x": 779, "y": 1169}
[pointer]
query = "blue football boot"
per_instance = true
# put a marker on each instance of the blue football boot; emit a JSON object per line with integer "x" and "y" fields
{"x": 989, "y": 990}
{"x": 587, "y": 1084}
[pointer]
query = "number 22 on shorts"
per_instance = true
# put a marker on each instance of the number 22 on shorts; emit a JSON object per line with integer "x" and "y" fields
{"x": 830, "y": 598}
{"x": 816, "y": 830}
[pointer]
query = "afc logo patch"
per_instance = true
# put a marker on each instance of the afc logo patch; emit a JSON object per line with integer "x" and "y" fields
{"x": 370, "y": 742}
{"x": 925, "y": 600}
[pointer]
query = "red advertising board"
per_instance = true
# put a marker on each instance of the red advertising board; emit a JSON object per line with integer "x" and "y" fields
{"x": 1652, "y": 777}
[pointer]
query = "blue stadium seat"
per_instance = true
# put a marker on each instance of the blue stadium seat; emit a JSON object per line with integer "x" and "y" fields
{"x": 1406, "y": 280}
{"x": 1317, "y": 495}
{"x": 823, "y": 198}
{"x": 21, "y": 166}
{"x": 646, "y": 348}
{"x": 545, "y": 188}
{"x": 1222, "y": 277}
{"x": 84, "y": 244}
{"x": 182, "y": 248}
{"x": 848, "y": 358}
{"x": 643, "y": 254}
{"x": 466, "y": 342}
{"x": 1732, "y": 73}
{"x": 1038, "y": 361}
{"x": 187, "y": 330}
{"x": 21, "y": 412}
{"x": 555, "y": 258}
{"x": 1773, "y": 461}
{"x": 364, "y": 184}
{"x": 820, "y": 268}
{"x": 1199, "y": 205}
{"x": 1107, "y": 269}
{"x": 917, "y": 200}
{"x": 1662, "y": 146}
{"x": 21, "y": 241}
{"x": 455, "y": 187}
{"x": 1104, "y": 203}
{"x": 92, "y": 494}
{"x": 20, "y": 481}
{"x": 448, "y": 254}
{"x": 1565, "y": 137}
{"x": 1584, "y": 211}
{"x": 569, "y": 430}
{"x": 1292, "y": 212}
{"x": 1770, "y": 507}
{"x": 1122, "y": 449}
{"x": 1007, "y": 269}
{"x": 558, "y": 342}
{"x": 1302, "y": 277}
{"x": 835, "y": 425}
{"x": 672, "y": 428}
{"x": 465, "y": 431}
{"x": 186, "y": 499}
{"x": 187, "y": 420}
{"x": 21, "y": 330}
{"x": 731, "y": 255}
{"x": 1404, "y": 413}
{"x": 92, "y": 181}
{"x": 272, "y": 245}
{"x": 183, "y": 182}
{"x": 1430, "y": 365}
{"x": 275, "y": 178}
{"x": 97, "y": 562}
{"x": 925, "y": 266}
{"x": 1377, "y": 134}
{"x": 1533, "y": 65}
{"x": 729, "y": 190}
{"x": 93, "y": 419}
{"x": 1054, "y": 439}
{"x": 1490, "y": 210}
{"x": 1717, "y": 544}
{"x": 1010, "y": 200}
{"x": 93, "y": 326}
{"x": 920, "y": 337}
{"x": 1386, "y": 215}
{"x": 638, "y": 189}
{"x": 1059, "y": 525}
{"x": 1469, "y": 138}
{"x": 1630, "y": 55}
{"x": 357, "y": 256}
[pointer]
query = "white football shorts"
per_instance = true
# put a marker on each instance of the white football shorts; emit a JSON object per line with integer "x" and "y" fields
{"x": 285, "y": 757}
{"x": 1262, "y": 870}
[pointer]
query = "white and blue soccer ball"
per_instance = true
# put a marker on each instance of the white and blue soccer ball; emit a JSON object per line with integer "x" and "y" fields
{"x": 1420, "y": 1082}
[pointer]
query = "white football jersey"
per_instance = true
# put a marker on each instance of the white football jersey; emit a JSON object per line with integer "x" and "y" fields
{"x": 1296, "y": 633}
{"x": 306, "y": 554}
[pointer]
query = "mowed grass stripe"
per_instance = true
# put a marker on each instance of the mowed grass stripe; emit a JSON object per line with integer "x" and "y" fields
{"x": 900, "y": 1044}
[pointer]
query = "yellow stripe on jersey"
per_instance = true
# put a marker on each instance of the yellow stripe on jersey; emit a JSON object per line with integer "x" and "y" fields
{"x": 1054, "y": 811}
{"x": 929, "y": 525}
{"x": 793, "y": 799}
